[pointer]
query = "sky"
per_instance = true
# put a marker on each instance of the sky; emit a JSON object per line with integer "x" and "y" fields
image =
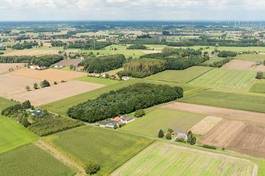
{"x": 172, "y": 10}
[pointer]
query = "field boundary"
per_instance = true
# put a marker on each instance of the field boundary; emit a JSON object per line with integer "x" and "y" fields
{"x": 200, "y": 75}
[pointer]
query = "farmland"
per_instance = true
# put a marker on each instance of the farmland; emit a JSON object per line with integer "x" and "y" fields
{"x": 258, "y": 87}
{"x": 222, "y": 79}
{"x": 180, "y": 76}
{"x": 4, "y": 68}
{"x": 164, "y": 119}
{"x": 110, "y": 149}
{"x": 167, "y": 159}
{"x": 252, "y": 57}
{"x": 106, "y": 82}
{"x": 29, "y": 160}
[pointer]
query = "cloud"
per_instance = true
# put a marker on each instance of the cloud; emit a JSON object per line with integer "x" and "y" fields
{"x": 131, "y": 9}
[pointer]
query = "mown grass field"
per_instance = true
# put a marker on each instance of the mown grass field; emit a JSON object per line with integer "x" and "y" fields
{"x": 4, "y": 103}
{"x": 106, "y": 147}
{"x": 258, "y": 87}
{"x": 29, "y": 160}
{"x": 222, "y": 79}
{"x": 13, "y": 135}
{"x": 159, "y": 118}
{"x": 251, "y": 57}
{"x": 167, "y": 160}
{"x": 180, "y": 76}
{"x": 248, "y": 102}
{"x": 103, "y": 81}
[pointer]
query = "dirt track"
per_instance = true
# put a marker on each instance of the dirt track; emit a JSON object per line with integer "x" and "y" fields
{"x": 230, "y": 114}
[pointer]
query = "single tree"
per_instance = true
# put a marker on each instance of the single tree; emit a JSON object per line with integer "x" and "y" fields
{"x": 35, "y": 86}
{"x": 161, "y": 133}
{"x": 168, "y": 136}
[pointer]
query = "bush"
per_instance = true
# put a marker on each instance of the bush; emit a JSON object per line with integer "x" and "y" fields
{"x": 168, "y": 136}
{"x": 124, "y": 101}
{"x": 35, "y": 86}
{"x": 209, "y": 147}
{"x": 191, "y": 138}
{"x": 139, "y": 113}
{"x": 25, "y": 122}
{"x": 92, "y": 168}
{"x": 44, "y": 84}
{"x": 259, "y": 75}
{"x": 26, "y": 105}
{"x": 227, "y": 54}
{"x": 161, "y": 133}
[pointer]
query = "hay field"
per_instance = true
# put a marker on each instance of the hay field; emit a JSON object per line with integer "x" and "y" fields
{"x": 167, "y": 160}
{"x": 5, "y": 68}
{"x": 205, "y": 125}
{"x": 29, "y": 160}
{"x": 49, "y": 74}
{"x": 240, "y": 65}
{"x": 224, "y": 79}
{"x": 56, "y": 92}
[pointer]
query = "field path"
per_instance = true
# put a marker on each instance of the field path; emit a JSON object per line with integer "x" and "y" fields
{"x": 229, "y": 114}
{"x": 61, "y": 157}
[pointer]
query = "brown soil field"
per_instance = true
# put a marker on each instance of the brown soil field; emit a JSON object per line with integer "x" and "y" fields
{"x": 4, "y": 68}
{"x": 260, "y": 68}
{"x": 32, "y": 52}
{"x": 229, "y": 114}
{"x": 56, "y": 92}
{"x": 49, "y": 74}
{"x": 205, "y": 125}
{"x": 251, "y": 140}
{"x": 240, "y": 65}
{"x": 224, "y": 133}
{"x": 12, "y": 84}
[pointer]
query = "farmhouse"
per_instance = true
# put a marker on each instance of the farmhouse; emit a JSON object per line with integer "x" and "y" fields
{"x": 115, "y": 122}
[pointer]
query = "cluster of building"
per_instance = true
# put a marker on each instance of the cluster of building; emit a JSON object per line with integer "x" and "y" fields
{"x": 115, "y": 122}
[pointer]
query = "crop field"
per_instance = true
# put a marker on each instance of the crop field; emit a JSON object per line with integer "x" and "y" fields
{"x": 224, "y": 133}
{"x": 258, "y": 87}
{"x": 247, "y": 102}
{"x": 205, "y": 125}
{"x": 164, "y": 119}
{"x": 240, "y": 65}
{"x": 29, "y": 160}
{"x": 222, "y": 79}
{"x": 106, "y": 147}
{"x": 33, "y": 52}
{"x": 13, "y": 135}
{"x": 167, "y": 159}
{"x": 56, "y": 92}
{"x": 180, "y": 76}
{"x": 252, "y": 57}
{"x": 49, "y": 74}
{"x": 5, "y": 68}
{"x": 102, "y": 81}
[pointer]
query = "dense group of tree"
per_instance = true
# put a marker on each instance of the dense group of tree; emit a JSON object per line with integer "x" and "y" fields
{"x": 103, "y": 63}
{"x": 227, "y": 54}
{"x": 143, "y": 67}
{"x": 58, "y": 43}
{"x": 179, "y": 59}
{"x": 43, "y": 123}
{"x": 88, "y": 44}
{"x": 124, "y": 101}
{"x": 137, "y": 46}
{"x": 25, "y": 45}
{"x": 42, "y": 61}
{"x": 218, "y": 63}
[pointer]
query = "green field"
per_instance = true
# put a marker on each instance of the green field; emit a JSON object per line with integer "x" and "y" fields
{"x": 212, "y": 60}
{"x": 13, "y": 135}
{"x": 248, "y": 102}
{"x": 156, "y": 119}
{"x": 31, "y": 161}
{"x": 180, "y": 76}
{"x": 222, "y": 79}
{"x": 103, "y": 81}
{"x": 251, "y": 57}
{"x": 258, "y": 87}
{"x": 167, "y": 160}
{"x": 107, "y": 147}
{"x": 4, "y": 103}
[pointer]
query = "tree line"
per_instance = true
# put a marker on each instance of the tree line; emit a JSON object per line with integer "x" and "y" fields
{"x": 124, "y": 101}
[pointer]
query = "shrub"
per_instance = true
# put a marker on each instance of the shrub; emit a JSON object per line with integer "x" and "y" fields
{"x": 227, "y": 54}
{"x": 209, "y": 147}
{"x": 124, "y": 101}
{"x": 139, "y": 113}
{"x": 28, "y": 88}
{"x": 35, "y": 86}
{"x": 44, "y": 84}
{"x": 92, "y": 168}
{"x": 170, "y": 130}
{"x": 26, "y": 105}
{"x": 161, "y": 133}
{"x": 259, "y": 75}
{"x": 168, "y": 136}
{"x": 25, "y": 122}
{"x": 191, "y": 138}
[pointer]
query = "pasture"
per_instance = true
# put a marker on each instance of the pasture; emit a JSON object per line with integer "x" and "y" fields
{"x": 102, "y": 81}
{"x": 180, "y": 76}
{"x": 13, "y": 135}
{"x": 49, "y": 74}
{"x": 159, "y": 118}
{"x": 106, "y": 147}
{"x": 258, "y": 87}
{"x": 29, "y": 160}
{"x": 56, "y": 92}
{"x": 224, "y": 79}
{"x": 167, "y": 159}
{"x": 247, "y": 102}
